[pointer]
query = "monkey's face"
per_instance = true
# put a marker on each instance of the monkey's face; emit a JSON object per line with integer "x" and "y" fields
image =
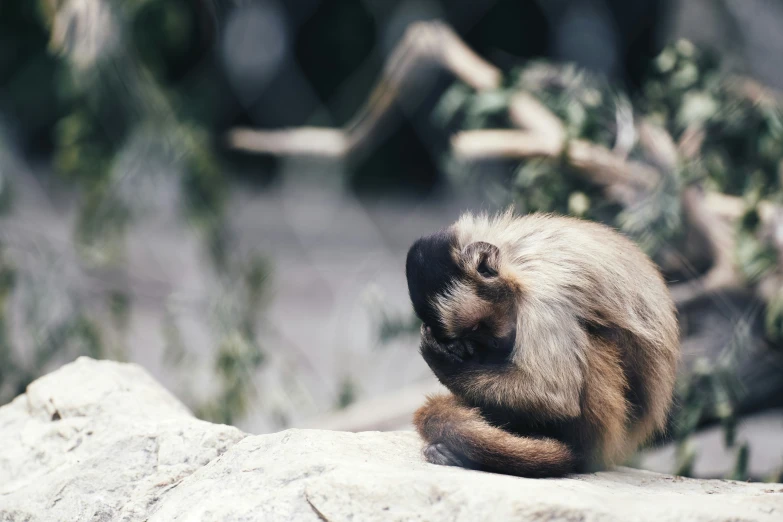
{"x": 462, "y": 292}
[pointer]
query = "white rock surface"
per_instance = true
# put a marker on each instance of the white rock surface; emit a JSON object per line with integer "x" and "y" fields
{"x": 100, "y": 441}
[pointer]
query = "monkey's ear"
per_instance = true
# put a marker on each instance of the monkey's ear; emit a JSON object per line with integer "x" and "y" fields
{"x": 484, "y": 257}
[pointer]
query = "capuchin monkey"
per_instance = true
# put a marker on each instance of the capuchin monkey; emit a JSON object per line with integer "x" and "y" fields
{"x": 557, "y": 338}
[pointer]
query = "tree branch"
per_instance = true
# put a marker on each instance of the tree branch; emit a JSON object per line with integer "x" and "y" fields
{"x": 544, "y": 135}
{"x": 540, "y": 134}
{"x": 526, "y": 112}
{"x": 719, "y": 237}
{"x": 598, "y": 164}
{"x": 302, "y": 141}
{"x": 424, "y": 45}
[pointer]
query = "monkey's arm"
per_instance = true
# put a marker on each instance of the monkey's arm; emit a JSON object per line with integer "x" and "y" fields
{"x": 488, "y": 379}
{"x": 457, "y": 435}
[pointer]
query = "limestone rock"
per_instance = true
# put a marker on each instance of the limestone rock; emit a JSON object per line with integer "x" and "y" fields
{"x": 102, "y": 441}
{"x": 98, "y": 441}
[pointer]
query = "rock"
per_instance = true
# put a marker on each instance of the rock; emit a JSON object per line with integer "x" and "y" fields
{"x": 99, "y": 441}
{"x": 102, "y": 441}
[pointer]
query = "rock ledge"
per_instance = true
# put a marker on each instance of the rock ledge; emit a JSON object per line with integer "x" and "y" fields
{"x": 100, "y": 441}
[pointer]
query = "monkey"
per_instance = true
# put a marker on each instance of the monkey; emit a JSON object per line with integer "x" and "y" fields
{"x": 556, "y": 337}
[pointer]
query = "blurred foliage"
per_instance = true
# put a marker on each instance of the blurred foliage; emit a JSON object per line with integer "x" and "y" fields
{"x": 389, "y": 325}
{"x": 743, "y": 148}
{"x": 239, "y": 352}
{"x": 742, "y": 153}
{"x": 392, "y": 327}
{"x": 591, "y": 109}
{"x": 108, "y": 72}
{"x": 348, "y": 393}
{"x": 12, "y": 378}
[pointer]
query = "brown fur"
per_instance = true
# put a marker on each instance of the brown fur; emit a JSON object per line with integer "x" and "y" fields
{"x": 594, "y": 360}
{"x": 462, "y": 429}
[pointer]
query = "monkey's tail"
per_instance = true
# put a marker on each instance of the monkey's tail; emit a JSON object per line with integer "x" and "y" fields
{"x": 458, "y": 435}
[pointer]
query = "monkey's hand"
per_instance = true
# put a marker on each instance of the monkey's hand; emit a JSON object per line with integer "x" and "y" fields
{"x": 454, "y": 351}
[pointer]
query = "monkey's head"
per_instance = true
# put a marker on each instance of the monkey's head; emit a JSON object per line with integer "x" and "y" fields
{"x": 462, "y": 291}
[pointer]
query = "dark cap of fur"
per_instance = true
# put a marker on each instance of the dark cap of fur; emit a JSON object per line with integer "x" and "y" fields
{"x": 429, "y": 269}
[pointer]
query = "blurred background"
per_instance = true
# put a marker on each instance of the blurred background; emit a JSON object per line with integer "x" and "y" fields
{"x": 224, "y": 191}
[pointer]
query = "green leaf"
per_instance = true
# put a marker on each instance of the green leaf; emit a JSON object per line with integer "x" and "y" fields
{"x": 450, "y": 104}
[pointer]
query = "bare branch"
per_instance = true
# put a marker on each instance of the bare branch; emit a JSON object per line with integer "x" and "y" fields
{"x": 658, "y": 146}
{"x": 627, "y": 134}
{"x": 708, "y": 216}
{"x": 502, "y": 143}
{"x": 596, "y": 162}
{"x": 755, "y": 92}
{"x": 714, "y": 214}
{"x": 304, "y": 141}
{"x": 732, "y": 207}
{"x": 544, "y": 136}
{"x": 526, "y": 112}
{"x": 770, "y": 286}
{"x": 691, "y": 141}
{"x": 458, "y": 58}
{"x": 425, "y": 44}
{"x": 720, "y": 237}
{"x": 606, "y": 168}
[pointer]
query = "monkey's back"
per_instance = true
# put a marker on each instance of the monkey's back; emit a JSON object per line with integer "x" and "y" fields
{"x": 589, "y": 284}
{"x": 619, "y": 293}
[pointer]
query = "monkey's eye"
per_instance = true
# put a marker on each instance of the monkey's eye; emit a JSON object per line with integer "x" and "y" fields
{"x": 484, "y": 269}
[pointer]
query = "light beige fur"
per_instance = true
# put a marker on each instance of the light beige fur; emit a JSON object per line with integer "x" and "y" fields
{"x": 566, "y": 271}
